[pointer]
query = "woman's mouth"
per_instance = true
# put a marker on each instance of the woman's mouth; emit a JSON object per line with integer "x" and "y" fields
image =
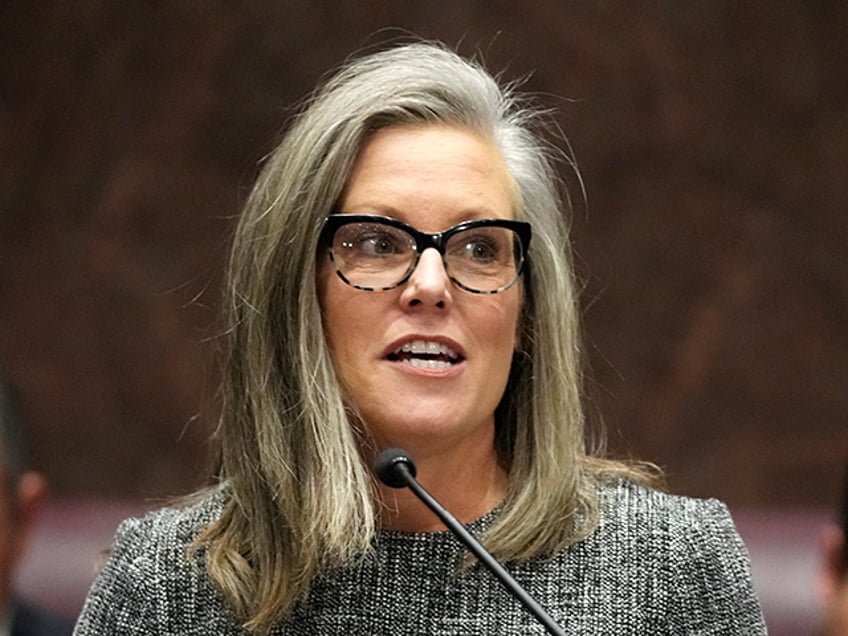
{"x": 425, "y": 354}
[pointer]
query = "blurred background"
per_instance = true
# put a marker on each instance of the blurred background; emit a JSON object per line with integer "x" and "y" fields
{"x": 712, "y": 141}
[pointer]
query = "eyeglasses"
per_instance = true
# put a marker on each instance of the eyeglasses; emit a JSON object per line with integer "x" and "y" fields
{"x": 378, "y": 253}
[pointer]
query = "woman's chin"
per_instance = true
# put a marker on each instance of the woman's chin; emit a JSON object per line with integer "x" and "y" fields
{"x": 427, "y": 429}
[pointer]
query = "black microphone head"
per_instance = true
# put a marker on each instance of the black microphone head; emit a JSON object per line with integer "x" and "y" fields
{"x": 391, "y": 466}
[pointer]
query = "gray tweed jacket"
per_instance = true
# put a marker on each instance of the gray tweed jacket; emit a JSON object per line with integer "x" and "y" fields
{"x": 657, "y": 564}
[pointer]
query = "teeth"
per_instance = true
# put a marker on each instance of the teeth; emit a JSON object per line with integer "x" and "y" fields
{"x": 428, "y": 347}
{"x": 428, "y": 364}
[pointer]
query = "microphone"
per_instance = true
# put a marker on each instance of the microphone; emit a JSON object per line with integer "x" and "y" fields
{"x": 395, "y": 469}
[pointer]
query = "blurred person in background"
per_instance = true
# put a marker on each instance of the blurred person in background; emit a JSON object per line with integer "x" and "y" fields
{"x": 21, "y": 493}
{"x": 835, "y": 578}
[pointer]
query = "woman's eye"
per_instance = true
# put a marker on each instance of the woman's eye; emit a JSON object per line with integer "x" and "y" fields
{"x": 480, "y": 249}
{"x": 382, "y": 245}
{"x": 374, "y": 242}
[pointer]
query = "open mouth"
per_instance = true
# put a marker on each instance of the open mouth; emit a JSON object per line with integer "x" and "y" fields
{"x": 425, "y": 354}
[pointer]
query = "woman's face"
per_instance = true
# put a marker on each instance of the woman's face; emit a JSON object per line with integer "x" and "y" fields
{"x": 430, "y": 177}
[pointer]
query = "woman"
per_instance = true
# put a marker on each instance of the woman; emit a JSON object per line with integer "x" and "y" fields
{"x": 384, "y": 290}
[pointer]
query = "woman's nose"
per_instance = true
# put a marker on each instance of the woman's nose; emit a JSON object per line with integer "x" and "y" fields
{"x": 429, "y": 284}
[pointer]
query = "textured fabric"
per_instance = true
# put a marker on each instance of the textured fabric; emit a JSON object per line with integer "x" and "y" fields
{"x": 657, "y": 564}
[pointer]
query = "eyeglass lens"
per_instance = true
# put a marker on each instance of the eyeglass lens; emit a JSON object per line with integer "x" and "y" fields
{"x": 374, "y": 255}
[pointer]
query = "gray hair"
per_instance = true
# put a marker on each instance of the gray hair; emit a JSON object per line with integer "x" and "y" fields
{"x": 302, "y": 499}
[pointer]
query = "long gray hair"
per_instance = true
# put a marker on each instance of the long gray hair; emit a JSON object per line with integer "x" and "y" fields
{"x": 301, "y": 497}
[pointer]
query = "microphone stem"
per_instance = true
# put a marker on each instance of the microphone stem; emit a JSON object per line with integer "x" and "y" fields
{"x": 480, "y": 552}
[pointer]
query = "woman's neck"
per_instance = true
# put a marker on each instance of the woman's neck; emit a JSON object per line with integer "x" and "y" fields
{"x": 468, "y": 486}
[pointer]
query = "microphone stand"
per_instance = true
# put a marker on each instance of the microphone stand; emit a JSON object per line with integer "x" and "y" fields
{"x": 396, "y": 469}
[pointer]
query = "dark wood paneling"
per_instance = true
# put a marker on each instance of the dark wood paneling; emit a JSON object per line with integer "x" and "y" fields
{"x": 713, "y": 143}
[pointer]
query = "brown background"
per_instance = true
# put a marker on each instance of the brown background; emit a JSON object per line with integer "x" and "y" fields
{"x": 713, "y": 142}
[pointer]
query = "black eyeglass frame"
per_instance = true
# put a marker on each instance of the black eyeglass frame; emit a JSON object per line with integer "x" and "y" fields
{"x": 424, "y": 240}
